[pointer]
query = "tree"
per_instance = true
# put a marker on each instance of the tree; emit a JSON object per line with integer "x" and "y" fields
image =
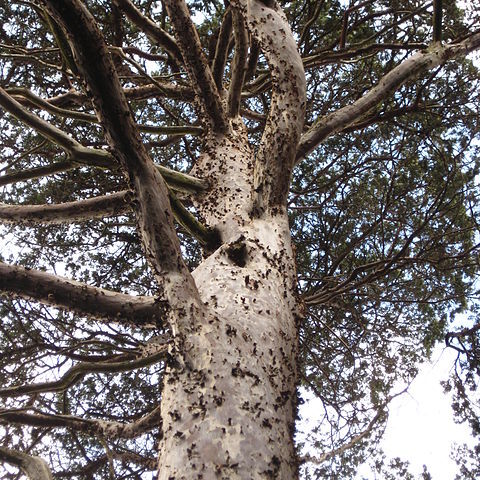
{"x": 215, "y": 204}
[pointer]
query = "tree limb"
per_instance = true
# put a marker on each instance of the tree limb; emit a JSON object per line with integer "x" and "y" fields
{"x": 239, "y": 65}
{"x": 276, "y": 155}
{"x": 108, "y": 430}
{"x": 34, "y": 467}
{"x": 83, "y": 299}
{"x": 78, "y": 371}
{"x": 221, "y": 49}
{"x": 152, "y": 30}
{"x": 76, "y": 151}
{"x": 38, "y": 172}
{"x": 23, "y": 95}
{"x": 407, "y": 70}
{"x": 98, "y": 207}
{"x": 196, "y": 64}
{"x": 183, "y": 307}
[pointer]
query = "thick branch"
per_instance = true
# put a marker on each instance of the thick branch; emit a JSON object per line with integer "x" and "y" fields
{"x": 221, "y": 50}
{"x": 98, "y": 207}
{"x": 110, "y": 430}
{"x": 196, "y": 63}
{"x": 83, "y": 299}
{"x": 409, "y": 69}
{"x": 239, "y": 65}
{"x": 153, "y": 210}
{"x": 276, "y": 155}
{"x": 34, "y": 467}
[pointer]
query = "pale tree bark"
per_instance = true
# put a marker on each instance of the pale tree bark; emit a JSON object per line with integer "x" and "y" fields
{"x": 34, "y": 467}
{"x": 241, "y": 400}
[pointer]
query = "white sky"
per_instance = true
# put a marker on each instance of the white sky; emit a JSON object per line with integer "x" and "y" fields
{"x": 421, "y": 428}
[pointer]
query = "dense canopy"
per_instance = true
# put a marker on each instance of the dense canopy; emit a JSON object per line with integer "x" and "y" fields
{"x": 381, "y": 194}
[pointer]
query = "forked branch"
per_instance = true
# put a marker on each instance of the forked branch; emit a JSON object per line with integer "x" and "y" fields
{"x": 275, "y": 157}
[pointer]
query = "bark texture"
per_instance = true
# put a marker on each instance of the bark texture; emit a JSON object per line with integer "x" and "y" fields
{"x": 241, "y": 396}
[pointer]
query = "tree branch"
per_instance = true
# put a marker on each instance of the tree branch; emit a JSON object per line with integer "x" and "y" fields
{"x": 239, "y": 66}
{"x": 183, "y": 307}
{"x": 76, "y": 151}
{"x": 34, "y": 467}
{"x": 38, "y": 172}
{"x": 221, "y": 50}
{"x": 407, "y": 70}
{"x": 152, "y": 30}
{"x": 84, "y": 210}
{"x": 23, "y": 95}
{"x": 196, "y": 64}
{"x": 83, "y": 299}
{"x": 106, "y": 429}
{"x": 276, "y": 155}
{"x": 77, "y": 372}
{"x": 437, "y": 20}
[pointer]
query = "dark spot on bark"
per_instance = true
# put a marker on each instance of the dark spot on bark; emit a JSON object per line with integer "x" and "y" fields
{"x": 237, "y": 252}
{"x": 266, "y": 423}
{"x": 231, "y": 331}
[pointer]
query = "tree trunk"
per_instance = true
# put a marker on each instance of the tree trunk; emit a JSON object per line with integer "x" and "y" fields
{"x": 230, "y": 412}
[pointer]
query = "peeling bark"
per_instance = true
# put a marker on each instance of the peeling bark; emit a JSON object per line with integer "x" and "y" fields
{"x": 242, "y": 400}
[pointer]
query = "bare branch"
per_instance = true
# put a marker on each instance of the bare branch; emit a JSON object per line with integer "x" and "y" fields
{"x": 98, "y": 207}
{"x": 77, "y": 372}
{"x": 409, "y": 69}
{"x": 437, "y": 20}
{"x": 108, "y": 430}
{"x": 83, "y": 299}
{"x": 196, "y": 63}
{"x": 222, "y": 47}
{"x": 37, "y": 172}
{"x": 77, "y": 152}
{"x": 34, "y": 467}
{"x": 239, "y": 65}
